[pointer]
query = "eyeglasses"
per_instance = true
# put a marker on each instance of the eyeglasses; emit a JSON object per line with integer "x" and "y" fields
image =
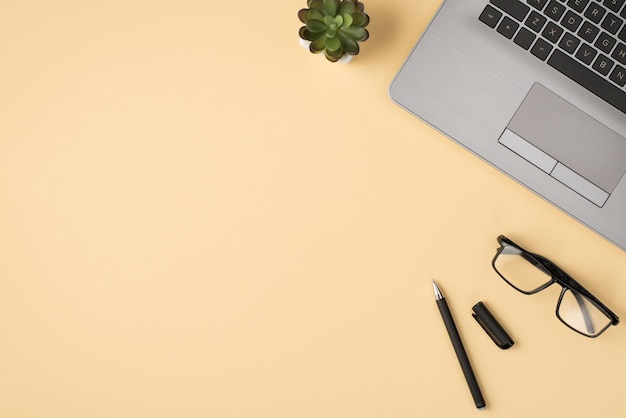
{"x": 531, "y": 273}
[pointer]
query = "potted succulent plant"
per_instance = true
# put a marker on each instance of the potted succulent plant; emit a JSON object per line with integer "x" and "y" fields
{"x": 334, "y": 27}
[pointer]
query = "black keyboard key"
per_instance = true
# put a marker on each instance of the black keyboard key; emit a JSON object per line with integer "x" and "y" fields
{"x": 554, "y": 10}
{"x": 588, "y": 32}
{"x": 571, "y": 21}
{"x": 490, "y": 16}
{"x": 578, "y": 5}
{"x": 622, "y": 33}
{"x": 569, "y": 43}
{"x": 618, "y": 76}
{"x": 508, "y": 27}
{"x": 605, "y": 42}
{"x": 537, "y": 4}
{"x": 614, "y": 5}
{"x": 535, "y": 21}
{"x": 612, "y": 23}
{"x": 515, "y": 8}
{"x": 524, "y": 38}
{"x": 589, "y": 80}
{"x": 603, "y": 64}
{"x": 620, "y": 53}
{"x": 586, "y": 53}
{"x": 595, "y": 12}
{"x": 541, "y": 49}
{"x": 552, "y": 32}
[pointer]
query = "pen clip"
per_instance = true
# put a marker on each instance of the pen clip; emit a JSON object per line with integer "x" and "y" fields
{"x": 492, "y": 327}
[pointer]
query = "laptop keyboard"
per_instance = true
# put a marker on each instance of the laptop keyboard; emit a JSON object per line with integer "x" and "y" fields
{"x": 583, "y": 39}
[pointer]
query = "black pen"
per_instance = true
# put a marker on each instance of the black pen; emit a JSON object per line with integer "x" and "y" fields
{"x": 458, "y": 348}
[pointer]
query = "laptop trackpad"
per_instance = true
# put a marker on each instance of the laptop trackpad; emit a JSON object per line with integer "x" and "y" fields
{"x": 567, "y": 143}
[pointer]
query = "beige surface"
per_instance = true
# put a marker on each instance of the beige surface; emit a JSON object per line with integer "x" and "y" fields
{"x": 201, "y": 219}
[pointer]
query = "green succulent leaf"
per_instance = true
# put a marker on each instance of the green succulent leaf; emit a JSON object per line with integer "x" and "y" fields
{"x": 331, "y": 32}
{"x": 360, "y": 19}
{"x": 367, "y": 35}
{"x": 318, "y": 45}
{"x": 313, "y": 14}
{"x": 356, "y": 33}
{"x": 302, "y": 15}
{"x": 349, "y": 45}
{"x": 315, "y": 26}
{"x": 333, "y": 44}
{"x": 328, "y": 20}
{"x": 315, "y": 4}
{"x": 347, "y": 7}
{"x": 308, "y": 35}
{"x": 347, "y": 20}
{"x": 359, "y": 6}
{"x": 330, "y": 7}
{"x": 333, "y": 56}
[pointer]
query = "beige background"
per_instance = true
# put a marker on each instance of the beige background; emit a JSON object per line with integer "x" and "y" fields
{"x": 201, "y": 219}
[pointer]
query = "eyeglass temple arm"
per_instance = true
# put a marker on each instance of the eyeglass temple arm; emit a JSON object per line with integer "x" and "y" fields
{"x": 585, "y": 312}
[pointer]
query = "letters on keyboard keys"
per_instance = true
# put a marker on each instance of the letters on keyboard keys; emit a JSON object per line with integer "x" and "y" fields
{"x": 584, "y": 40}
{"x": 589, "y": 79}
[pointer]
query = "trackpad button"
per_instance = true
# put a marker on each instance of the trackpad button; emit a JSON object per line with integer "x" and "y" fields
{"x": 527, "y": 151}
{"x": 580, "y": 184}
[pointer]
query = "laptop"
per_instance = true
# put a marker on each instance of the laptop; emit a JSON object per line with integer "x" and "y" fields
{"x": 537, "y": 89}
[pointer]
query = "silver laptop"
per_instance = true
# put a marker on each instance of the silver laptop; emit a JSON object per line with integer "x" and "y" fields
{"x": 535, "y": 88}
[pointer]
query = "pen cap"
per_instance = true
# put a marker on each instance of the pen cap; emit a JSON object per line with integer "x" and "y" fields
{"x": 487, "y": 321}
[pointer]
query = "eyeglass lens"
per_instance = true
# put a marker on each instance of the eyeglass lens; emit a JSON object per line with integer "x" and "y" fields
{"x": 519, "y": 272}
{"x": 581, "y": 314}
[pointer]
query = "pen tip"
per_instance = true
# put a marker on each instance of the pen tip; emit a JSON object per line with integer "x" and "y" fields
{"x": 438, "y": 294}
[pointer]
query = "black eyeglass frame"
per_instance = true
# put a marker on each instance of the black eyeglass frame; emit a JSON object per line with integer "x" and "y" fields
{"x": 559, "y": 276}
